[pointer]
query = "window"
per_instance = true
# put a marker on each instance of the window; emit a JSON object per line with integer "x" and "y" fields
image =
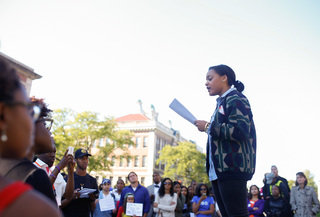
{"x": 129, "y": 162}
{"x": 121, "y": 162}
{"x": 144, "y": 161}
{"x": 101, "y": 142}
{"x": 127, "y": 180}
{"x": 111, "y": 179}
{"x": 145, "y": 142}
{"x": 138, "y": 142}
{"x": 108, "y": 141}
{"x": 94, "y": 143}
{"x": 158, "y": 144}
{"x": 113, "y": 160}
{"x": 136, "y": 161}
{"x": 142, "y": 180}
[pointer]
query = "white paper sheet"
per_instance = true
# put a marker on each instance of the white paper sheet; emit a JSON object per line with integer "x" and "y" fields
{"x": 134, "y": 209}
{"x": 182, "y": 111}
{"x": 106, "y": 204}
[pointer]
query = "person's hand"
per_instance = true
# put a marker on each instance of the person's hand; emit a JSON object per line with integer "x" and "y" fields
{"x": 76, "y": 194}
{"x": 92, "y": 197}
{"x": 255, "y": 208}
{"x": 114, "y": 211}
{"x": 152, "y": 197}
{"x": 199, "y": 212}
{"x": 172, "y": 203}
{"x": 71, "y": 165}
{"x": 155, "y": 204}
{"x": 66, "y": 159}
{"x": 200, "y": 125}
{"x": 203, "y": 197}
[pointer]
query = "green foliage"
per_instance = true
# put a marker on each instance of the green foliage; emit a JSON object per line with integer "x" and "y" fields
{"x": 291, "y": 183}
{"x": 310, "y": 178}
{"x": 184, "y": 162}
{"x": 82, "y": 130}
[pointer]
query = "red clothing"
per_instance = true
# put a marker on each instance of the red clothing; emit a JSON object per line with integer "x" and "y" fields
{"x": 120, "y": 211}
{"x": 12, "y": 192}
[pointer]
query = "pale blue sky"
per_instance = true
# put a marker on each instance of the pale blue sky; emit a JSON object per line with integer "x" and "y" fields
{"x": 105, "y": 55}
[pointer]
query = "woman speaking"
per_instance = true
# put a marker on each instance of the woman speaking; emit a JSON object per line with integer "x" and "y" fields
{"x": 231, "y": 146}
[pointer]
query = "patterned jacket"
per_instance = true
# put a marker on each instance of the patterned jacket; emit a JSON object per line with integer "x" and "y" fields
{"x": 233, "y": 141}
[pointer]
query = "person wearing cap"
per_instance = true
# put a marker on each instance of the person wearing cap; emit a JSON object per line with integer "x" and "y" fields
{"x": 81, "y": 205}
{"x": 274, "y": 170}
{"x": 270, "y": 180}
{"x": 105, "y": 196}
{"x": 141, "y": 194}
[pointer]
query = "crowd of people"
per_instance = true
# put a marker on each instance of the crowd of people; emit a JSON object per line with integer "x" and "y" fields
{"x": 28, "y": 177}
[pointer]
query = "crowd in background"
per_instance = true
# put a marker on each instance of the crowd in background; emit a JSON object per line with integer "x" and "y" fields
{"x": 31, "y": 184}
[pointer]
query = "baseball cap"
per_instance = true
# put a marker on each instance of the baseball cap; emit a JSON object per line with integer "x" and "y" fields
{"x": 80, "y": 153}
{"x": 104, "y": 181}
{"x": 269, "y": 178}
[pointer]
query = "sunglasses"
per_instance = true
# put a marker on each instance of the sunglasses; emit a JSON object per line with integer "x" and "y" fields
{"x": 167, "y": 183}
{"x": 47, "y": 122}
{"x": 32, "y": 108}
{"x": 203, "y": 189}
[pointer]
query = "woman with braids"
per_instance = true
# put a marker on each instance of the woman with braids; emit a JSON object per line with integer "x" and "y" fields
{"x": 166, "y": 200}
{"x": 231, "y": 146}
{"x": 187, "y": 208}
{"x": 180, "y": 199}
{"x": 17, "y": 117}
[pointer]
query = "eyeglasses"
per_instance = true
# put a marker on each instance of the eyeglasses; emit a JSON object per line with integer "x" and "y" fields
{"x": 167, "y": 183}
{"x": 47, "y": 122}
{"x": 203, "y": 189}
{"x": 32, "y": 108}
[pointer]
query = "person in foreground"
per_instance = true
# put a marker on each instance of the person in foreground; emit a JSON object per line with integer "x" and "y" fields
{"x": 231, "y": 146}
{"x": 304, "y": 200}
{"x": 17, "y": 124}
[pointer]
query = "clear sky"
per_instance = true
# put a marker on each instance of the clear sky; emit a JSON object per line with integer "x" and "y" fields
{"x": 104, "y": 56}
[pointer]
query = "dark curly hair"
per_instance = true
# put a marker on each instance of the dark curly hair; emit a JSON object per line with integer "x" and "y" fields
{"x": 198, "y": 192}
{"x": 9, "y": 81}
{"x": 45, "y": 111}
{"x": 161, "y": 190}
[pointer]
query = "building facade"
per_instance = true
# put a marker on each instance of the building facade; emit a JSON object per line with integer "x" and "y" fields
{"x": 26, "y": 74}
{"x": 150, "y": 136}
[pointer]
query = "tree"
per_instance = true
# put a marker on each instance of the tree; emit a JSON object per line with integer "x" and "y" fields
{"x": 82, "y": 130}
{"x": 184, "y": 162}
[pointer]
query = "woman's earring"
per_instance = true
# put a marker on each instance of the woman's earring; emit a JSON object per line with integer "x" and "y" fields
{"x": 4, "y": 137}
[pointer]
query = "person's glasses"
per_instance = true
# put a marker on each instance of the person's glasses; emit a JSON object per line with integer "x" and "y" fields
{"x": 167, "y": 183}
{"x": 47, "y": 122}
{"x": 32, "y": 108}
{"x": 203, "y": 189}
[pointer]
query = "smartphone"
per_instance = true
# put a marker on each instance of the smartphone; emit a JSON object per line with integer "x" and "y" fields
{"x": 204, "y": 194}
{"x": 70, "y": 150}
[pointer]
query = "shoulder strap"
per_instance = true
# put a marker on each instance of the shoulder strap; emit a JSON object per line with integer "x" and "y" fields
{"x": 11, "y": 192}
{"x": 21, "y": 171}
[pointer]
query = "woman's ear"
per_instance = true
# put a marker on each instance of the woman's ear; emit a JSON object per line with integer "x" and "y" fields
{"x": 224, "y": 79}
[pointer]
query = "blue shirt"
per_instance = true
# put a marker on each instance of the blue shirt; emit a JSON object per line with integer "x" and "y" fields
{"x": 141, "y": 195}
{"x": 204, "y": 206}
